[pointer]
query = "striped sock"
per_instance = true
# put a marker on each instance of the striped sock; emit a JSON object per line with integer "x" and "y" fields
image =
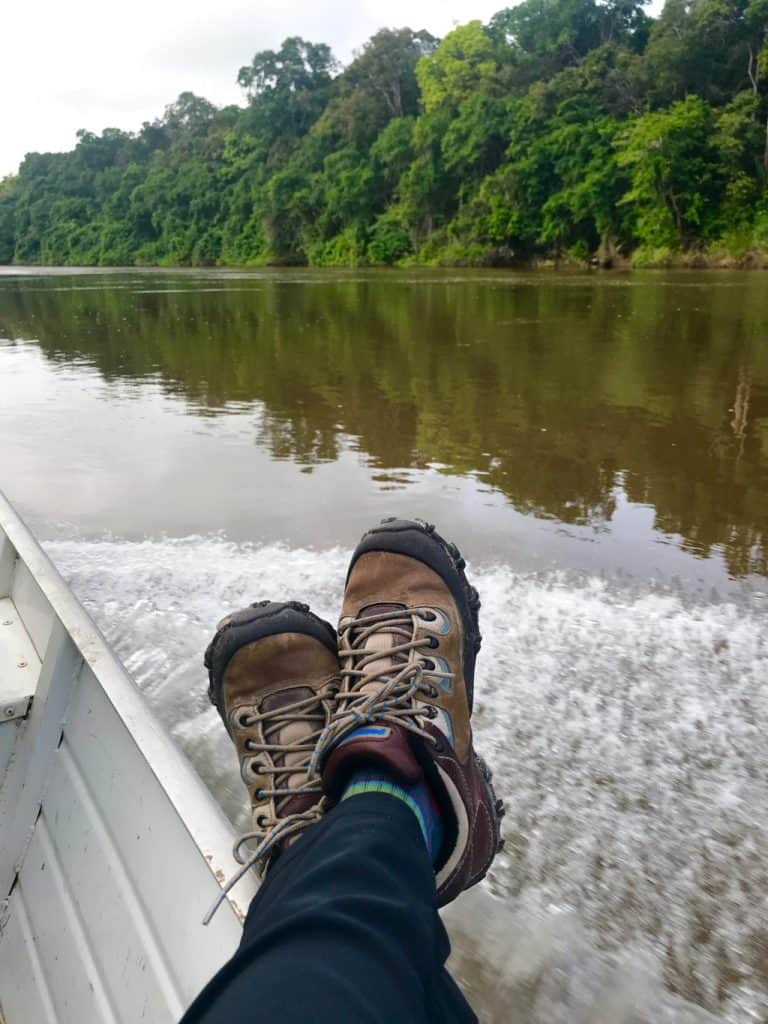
{"x": 418, "y": 798}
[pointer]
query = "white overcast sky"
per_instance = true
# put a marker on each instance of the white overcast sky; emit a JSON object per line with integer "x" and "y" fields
{"x": 69, "y": 64}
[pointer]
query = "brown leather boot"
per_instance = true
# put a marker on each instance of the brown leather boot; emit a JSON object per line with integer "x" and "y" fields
{"x": 273, "y": 669}
{"x": 408, "y": 638}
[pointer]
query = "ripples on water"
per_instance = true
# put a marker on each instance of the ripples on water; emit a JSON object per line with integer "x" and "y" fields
{"x": 627, "y": 730}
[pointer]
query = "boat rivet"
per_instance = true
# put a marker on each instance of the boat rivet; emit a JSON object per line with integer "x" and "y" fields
{"x": 22, "y": 664}
{"x": 9, "y": 712}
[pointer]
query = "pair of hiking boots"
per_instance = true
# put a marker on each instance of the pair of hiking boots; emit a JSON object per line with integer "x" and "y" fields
{"x": 307, "y": 706}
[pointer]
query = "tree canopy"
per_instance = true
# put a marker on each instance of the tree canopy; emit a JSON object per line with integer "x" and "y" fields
{"x": 562, "y": 128}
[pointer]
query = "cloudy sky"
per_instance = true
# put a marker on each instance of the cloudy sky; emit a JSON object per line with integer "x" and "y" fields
{"x": 98, "y": 63}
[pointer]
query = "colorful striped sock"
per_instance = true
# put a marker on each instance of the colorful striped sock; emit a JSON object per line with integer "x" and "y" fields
{"x": 418, "y": 798}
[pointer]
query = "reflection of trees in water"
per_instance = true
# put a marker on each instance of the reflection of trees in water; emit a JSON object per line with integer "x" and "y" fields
{"x": 741, "y": 408}
{"x": 545, "y": 392}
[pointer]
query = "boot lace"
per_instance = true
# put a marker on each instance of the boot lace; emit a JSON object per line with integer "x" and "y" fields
{"x": 270, "y": 831}
{"x": 400, "y": 683}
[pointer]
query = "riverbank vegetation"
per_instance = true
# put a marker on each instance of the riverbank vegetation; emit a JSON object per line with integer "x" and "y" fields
{"x": 561, "y": 130}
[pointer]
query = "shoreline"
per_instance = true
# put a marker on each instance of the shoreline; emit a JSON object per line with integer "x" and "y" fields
{"x": 678, "y": 261}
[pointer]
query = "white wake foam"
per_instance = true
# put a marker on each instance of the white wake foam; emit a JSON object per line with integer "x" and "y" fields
{"x": 627, "y": 732}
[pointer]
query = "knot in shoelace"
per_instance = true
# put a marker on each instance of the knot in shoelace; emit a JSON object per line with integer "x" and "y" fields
{"x": 269, "y": 831}
{"x": 400, "y": 677}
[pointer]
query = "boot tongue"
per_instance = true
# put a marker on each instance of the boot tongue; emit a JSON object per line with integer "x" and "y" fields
{"x": 381, "y": 641}
{"x": 290, "y": 732}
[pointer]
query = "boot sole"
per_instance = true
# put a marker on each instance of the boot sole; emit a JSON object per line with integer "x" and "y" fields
{"x": 257, "y": 621}
{"x": 421, "y": 541}
{"x": 495, "y": 802}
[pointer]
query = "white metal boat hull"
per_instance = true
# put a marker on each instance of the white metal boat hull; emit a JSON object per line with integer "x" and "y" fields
{"x": 111, "y": 848}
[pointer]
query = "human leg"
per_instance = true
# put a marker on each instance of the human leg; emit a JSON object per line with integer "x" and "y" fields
{"x": 344, "y": 930}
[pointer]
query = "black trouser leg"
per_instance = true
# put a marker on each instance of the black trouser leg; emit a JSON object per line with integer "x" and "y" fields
{"x": 344, "y": 930}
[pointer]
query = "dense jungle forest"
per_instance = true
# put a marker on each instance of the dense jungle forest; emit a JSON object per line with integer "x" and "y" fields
{"x": 561, "y": 130}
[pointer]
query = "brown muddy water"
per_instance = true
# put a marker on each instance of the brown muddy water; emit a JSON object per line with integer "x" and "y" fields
{"x": 597, "y": 445}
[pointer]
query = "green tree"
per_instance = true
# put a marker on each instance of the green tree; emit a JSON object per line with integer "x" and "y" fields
{"x": 675, "y": 174}
{"x": 561, "y": 128}
{"x": 463, "y": 63}
{"x": 289, "y": 86}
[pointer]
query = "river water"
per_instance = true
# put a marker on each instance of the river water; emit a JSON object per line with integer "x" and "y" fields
{"x": 597, "y": 445}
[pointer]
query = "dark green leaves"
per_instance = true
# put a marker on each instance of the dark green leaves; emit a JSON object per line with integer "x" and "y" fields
{"x": 573, "y": 128}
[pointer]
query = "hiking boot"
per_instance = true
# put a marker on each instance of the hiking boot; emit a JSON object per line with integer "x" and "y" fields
{"x": 408, "y": 639}
{"x": 273, "y": 669}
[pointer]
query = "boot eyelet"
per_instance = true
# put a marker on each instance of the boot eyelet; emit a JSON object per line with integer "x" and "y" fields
{"x": 429, "y": 664}
{"x": 433, "y": 642}
{"x": 260, "y": 821}
{"x": 433, "y": 692}
{"x": 439, "y": 745}
{"x": 432, "y": 713}
{"x": 428, "y": 616}
{"x": 244, "y": 720}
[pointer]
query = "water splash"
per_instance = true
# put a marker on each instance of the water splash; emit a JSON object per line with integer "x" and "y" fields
{"x": 627, "y": 731}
